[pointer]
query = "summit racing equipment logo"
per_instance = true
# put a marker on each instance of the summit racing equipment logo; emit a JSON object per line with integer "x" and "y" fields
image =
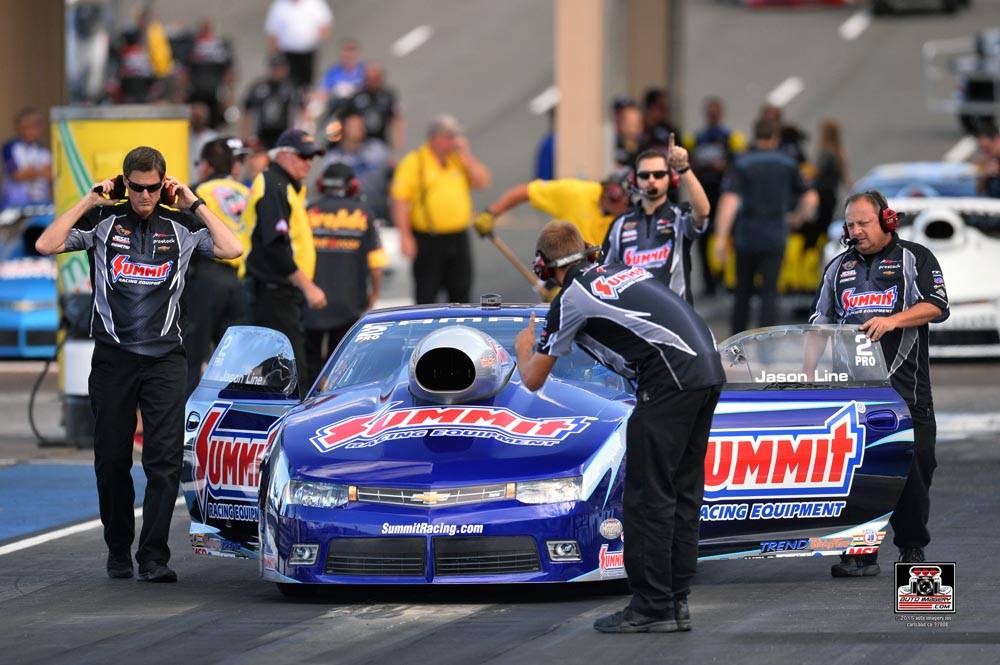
{"x": 608, "y": 288}
{"x": 123, "y": 268}
{"x": 227, "y": 467}
{"x": 498, "y": 424}
{"x": 654, "y": 258}
{"x": 869, "y": 300}
{"x": 611, "y": 564}
{"x": 785, "y": 461}
{"x": 925, "y": 587}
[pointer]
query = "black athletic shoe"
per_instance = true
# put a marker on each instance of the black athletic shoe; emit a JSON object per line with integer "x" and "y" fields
{"x": 865, "y": 565}
{"x": 911, "y": 554}
{"x": 156, "y": 572}
{"x": 630, "y": 621}
{"x": 682, "y": 612}
{"x": 119, "y": 566}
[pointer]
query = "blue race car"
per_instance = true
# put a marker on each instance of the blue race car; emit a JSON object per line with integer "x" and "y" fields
{"x": 419, "y": 458}
{"x": 28, "y": 314}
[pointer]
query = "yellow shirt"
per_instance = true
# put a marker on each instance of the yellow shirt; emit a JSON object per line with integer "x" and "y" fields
{"x": 299, "y": 231}
{"x": 576, "y": 201}
{"x": 429, "y": 187}
{"x": 227, "y": 198}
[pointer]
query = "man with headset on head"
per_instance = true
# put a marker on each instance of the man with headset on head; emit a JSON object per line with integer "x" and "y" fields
{"x": 657, "y": 234}
{"x": 891, "y": 289}
{"x": 631, "y": 322}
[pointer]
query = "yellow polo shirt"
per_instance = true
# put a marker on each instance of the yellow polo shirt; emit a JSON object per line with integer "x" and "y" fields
{"x": 227, "y": 198}
{"x": 572, "y": 200}
{"x": 445, "y": 206}
{"x": 299, "y": 231}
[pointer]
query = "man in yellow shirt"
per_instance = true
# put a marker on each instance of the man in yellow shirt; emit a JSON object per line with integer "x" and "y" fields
{"x": 432, "y": 210}
{"x": 590, "y": 206}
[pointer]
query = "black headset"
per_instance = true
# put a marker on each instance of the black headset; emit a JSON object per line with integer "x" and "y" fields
{"x": 545, "y": 269}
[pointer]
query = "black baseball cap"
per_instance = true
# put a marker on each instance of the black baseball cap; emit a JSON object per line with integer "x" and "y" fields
{"x": 336, "y": 175}
{"x": 300, "y": 141}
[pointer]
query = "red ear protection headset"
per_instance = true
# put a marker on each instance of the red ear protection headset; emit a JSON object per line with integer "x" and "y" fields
{"x": 545, "y": 269}
{"x": 352, "y": 191}
{"x": 888, "y": 219}
{"x": 119, "y": 190}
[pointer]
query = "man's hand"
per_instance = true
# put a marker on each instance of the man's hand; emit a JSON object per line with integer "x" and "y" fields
{"x": 524, "y": 343}
{"x": 408, "y": 245}
{"x": 721, "y": 251}
{"x": 315, "y": 297}
{"x": 462, "y": 145}
{"x": 484, "y": 223}
{"x": 100, "y": 197}
{"x": 677, "y": 156}
{"x": 878, "y": 326}
{"x": 185, "y": 197}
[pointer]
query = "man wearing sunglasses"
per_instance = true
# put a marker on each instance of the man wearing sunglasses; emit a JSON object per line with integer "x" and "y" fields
{"x": 139, "y": 251}
{"x": 656, "y": 234}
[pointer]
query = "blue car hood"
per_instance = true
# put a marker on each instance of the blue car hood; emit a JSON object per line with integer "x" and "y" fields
{"x": 359, "y": 437}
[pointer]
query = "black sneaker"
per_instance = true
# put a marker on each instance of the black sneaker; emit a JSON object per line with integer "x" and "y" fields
{"x": 156, "y": 572}
{"x": 119, "y": 566}
{"x": 865, "y": 565}
{"x": 911, "y": 554}
{"x": 682, "y": 612}
{"x": 630, "y": 621}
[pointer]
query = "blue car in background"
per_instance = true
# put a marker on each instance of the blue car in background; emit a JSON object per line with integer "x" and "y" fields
{"x": 420, "y": 458}
{"x": 927, "y": 179}
{"x": 28, "y": 310}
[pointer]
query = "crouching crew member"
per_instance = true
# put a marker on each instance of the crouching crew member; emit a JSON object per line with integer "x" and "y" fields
{"x": 891, "y": 289}
{"x": 349, "y": 262}
{"x": 631, "y": 322}
{"x": 139, "y": 252}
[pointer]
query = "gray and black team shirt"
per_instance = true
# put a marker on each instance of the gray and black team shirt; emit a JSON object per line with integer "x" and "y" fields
{"x": 630, "y": 322}
{"x": 660, "y": 243}
{"x": 137, "y": 268}
{"x": 856, "y": 288}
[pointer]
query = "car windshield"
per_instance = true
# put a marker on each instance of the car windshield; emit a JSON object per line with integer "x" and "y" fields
{"x": 901, "y": 187}
{"x": 377, "y": 352}
{"x": 256, "y": 360}
{"x": 803, "y": 356}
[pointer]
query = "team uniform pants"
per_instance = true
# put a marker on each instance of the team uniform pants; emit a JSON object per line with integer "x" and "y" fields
{"x": 909, "y": 519}
{"x": 120, "y": 381}
{"x": 317, "y": 352}
{"x": 749, "y": 264}
{"x": 279, "y": 307}
{"x": 666, "y": 440}
{"x": 444, "y": 261}
{"x": 301, "y": 66}
{"x": 213, "y": 301}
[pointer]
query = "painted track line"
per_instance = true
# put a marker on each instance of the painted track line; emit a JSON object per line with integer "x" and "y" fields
{"x": 961, "y": 151}
{"x": 786, "y": 91}
{"x": 411, "y": 41}
{"x": 49, "y": 536}
{"x": 853, "y": 27}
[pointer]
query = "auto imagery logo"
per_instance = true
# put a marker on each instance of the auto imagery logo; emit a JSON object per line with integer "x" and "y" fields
{"x": 925, "y": 588}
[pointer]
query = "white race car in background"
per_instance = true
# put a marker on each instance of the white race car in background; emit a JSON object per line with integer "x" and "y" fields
{"x": 964, "y": 235}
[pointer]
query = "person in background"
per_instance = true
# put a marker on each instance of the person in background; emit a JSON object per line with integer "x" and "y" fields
{"x": 545, "y": 155}
{"x": 296, "y": 28}
{"x": 377, "y": 103}
{"x": 368, "y": 158}
{"x": 628, "y": 134}
{"x": 344, "y": 78}
{"x": 712, "y": 152}
{"x": 349, "y": 262}
{"x": 791, "y": 139}
{"x": 200, "y": 132}
{"x": 272, "y": 104}
{"x": 656, "y": 124}
{"x": 989, "y": 160}
{"x": 210, "y": 72}
{"x": 432, "y": 210}
{"x": 27, "y": 163}
{"x": 831, "y": 173}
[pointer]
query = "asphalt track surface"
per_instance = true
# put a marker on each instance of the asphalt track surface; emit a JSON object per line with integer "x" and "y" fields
{"x": 485, "y": 61}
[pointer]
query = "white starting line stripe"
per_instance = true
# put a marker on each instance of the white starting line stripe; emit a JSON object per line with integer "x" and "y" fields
{"x": 545, "y": 101}
{"x": 41, "y": 538}
{"x": 412, "y": 40}
{"x": 854, "y": 26}
{"x": 786, "y": 91}
{"x": 961, "y": 151}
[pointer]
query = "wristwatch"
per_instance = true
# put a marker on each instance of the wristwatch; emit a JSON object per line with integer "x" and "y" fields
{"x": 684, "y": 170}
{"x": 194, "y": 206}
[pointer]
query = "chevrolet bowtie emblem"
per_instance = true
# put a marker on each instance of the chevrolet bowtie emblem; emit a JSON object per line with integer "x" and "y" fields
{"x": 430, "y": 498}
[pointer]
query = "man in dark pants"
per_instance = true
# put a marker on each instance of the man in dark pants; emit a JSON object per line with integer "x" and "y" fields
{"x": 766, "y": 189}
{"x": 639, "y": 328}
{"x": 139, "y": 251}
{"x": 282, "y": 258}
{"x": 213, "y": 300}
{"x": 432, "y": 209}
{"x": 349, "y": 261}
{"x": 891, "y": 289}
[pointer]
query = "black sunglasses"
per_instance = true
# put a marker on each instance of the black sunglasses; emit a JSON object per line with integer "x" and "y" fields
{"x": 646, "y": 175}
{"x": 135, "y": 187}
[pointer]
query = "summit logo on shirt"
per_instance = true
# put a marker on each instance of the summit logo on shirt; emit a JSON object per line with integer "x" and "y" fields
{"x": 124, "y": 269}
{"x": 608, "y": 288}
{"x": 869, "y": 300}
{"x": 650, "y": 258}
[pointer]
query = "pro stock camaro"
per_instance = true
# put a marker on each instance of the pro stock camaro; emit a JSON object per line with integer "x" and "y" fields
{"x": 419, "y": 458}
